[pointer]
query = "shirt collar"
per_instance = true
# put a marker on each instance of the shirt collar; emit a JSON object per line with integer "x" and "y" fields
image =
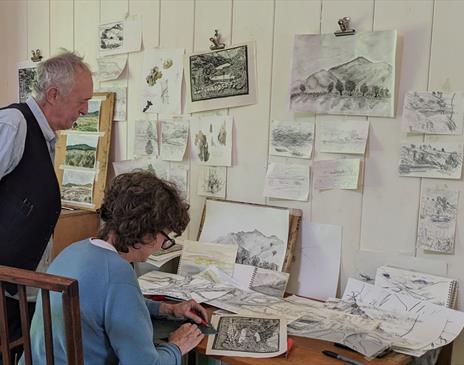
{"x": 40, "y": 116}
{"x": 103, "y": 244}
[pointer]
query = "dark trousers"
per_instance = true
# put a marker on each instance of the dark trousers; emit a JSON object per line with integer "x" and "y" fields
{"x": 14, "y": 324}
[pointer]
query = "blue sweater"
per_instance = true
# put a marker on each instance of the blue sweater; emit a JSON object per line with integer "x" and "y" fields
{"x": 115, "y": 318}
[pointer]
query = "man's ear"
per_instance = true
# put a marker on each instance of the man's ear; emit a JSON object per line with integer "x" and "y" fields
{"x": 52, "y": 95}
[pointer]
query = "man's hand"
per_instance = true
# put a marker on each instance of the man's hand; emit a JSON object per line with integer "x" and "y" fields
{"x": 189, "y": 309}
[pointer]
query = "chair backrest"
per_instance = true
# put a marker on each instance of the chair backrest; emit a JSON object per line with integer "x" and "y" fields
{"x": 71, "y": 314}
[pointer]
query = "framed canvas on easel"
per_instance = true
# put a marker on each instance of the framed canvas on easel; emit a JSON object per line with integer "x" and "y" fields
{"x": 82, "y": 152}
{"x": 266, "y": 235}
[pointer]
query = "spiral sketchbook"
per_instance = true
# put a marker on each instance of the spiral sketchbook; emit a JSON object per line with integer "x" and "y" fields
{"x": 263, "y": 281}
{"x": 435, "y": 289}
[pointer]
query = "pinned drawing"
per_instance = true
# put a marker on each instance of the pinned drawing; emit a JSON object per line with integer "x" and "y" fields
{"x": 120, "y": 106}
{"x": 344, "y": 75}
{"x": 212, "y": 181}
{"x": 212, "y": 140}
{"x": 27, "y": 72}
{"x": 111, "y": 36}
{"x": 81, "y": 150}
{"x": 238, "y": 335}
{"x": 287, "y": 181}
{"x": 291, "y": 139}
{"x": 260, "y": 232}
{"x": 121, "y": 36}
{"x": 221, "y": 78}
{"x": 343, "y": 136}
{"x": 89, "y": 122}
{"x": 110, "y": 68}
{"x": 437, "y": 220}
{"x": 174, "y": 137}
{"x": 336, "y": 174}
{"x": 77, "y": 186}
{"x": 434, "y": 160}
{"x": 177, "y": 174}
{"x": 162, "y": 82}
{"x": 433, "y": 112}
{"x": 146, "y": 138}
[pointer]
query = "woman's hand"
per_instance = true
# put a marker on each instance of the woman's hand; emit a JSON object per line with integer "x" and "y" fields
{"x": 189, "y": 309}
{"x": 186, "y": 337}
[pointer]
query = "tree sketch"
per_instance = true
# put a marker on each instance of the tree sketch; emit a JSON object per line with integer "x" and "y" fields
{"x": 292, "y": 139}
{"x": 26, "y": 79}
{"x": 146, "y": 138}
{"x": 436, "y": 160}
{"x": 111, "y": 36}
{"x": 437, "y": 220}
{"x": 174, "y": 137}
{"x": 433, "y": 112}
{"x": 353, "y": 76}
{"x": 212, "y": 181}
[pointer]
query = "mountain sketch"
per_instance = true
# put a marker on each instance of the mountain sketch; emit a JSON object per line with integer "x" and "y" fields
{"x": 256, "y": 249}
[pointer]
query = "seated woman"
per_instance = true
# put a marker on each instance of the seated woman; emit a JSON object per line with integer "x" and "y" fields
{"x": 138, "y": 213}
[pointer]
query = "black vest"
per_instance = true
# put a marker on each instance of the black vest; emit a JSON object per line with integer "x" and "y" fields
{"x": 29, "y": 201}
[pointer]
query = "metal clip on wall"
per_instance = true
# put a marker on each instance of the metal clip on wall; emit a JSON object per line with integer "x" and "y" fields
{"x": 36, "y": 55}
{"x": 344, "y": 24}
{"x": 216, "y": 40}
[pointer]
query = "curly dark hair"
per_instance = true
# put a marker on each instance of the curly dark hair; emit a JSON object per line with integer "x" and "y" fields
{"x": 140, "y": 203}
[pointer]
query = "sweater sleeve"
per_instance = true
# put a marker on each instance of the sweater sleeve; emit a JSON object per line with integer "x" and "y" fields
{"x": 153, "y": 307}
{"x": 130, "y": 332}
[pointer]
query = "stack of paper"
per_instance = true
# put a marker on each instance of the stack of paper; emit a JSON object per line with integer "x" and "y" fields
{"x": 159, "y": 258}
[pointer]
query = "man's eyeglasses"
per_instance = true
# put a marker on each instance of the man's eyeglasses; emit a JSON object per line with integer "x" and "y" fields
{"x": 168, "y": 241}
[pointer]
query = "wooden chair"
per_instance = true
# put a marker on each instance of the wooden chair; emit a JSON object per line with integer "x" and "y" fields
{"x": 71, "y": 313}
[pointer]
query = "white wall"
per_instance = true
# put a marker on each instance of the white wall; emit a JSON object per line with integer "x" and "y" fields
{"x": 379, "y": 222}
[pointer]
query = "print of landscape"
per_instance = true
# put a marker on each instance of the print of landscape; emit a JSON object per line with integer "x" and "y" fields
{"x": 87, "y": 122}
{"x": 80, "y": 155}
{"x": 359, "y": 86}
{"x": 81, "y": 193}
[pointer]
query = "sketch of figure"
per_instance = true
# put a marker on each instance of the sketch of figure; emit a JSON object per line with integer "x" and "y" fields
{"x": 26, "y": 79}
{"x": 353, "y": 75}
{"x": 174, "y": 137}
{"x": 212, "y": 181}
{"x": 433, "y": 112}
{"x": 435, "y": 160}
{"x": 291, "y": 139}
{"x": 111, "y": 36}
{"x": 77, "y": 186}
{"x": 437, "y": 220}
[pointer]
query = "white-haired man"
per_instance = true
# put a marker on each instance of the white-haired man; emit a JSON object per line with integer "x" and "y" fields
{"x": 29, "y": 191}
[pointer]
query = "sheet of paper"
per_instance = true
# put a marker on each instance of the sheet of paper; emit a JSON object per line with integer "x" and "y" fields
{"x": 174, "y": 137}
{"x": 122, "y": 167}
{"x": 89, "y": 122}
{"x": 344, "y": 75}
{"x": 336, "y": 174}
{"x": 197, "y": 256}
{"x": 343, "y": 136}
{"x": 317, "y": 258}
{"x": 221, "y": 79}
{"x": 146, "y": 138}
{"x": 81, "y": 150}
{"x": 433, "y": 112}
{"x": 263, "y": 281}
{"x": 212, "y": 140}
{"x": 437, "y": 220}
{"x": 26, "y": 72}
{"x": 178, "y": 174}
{"x": 291, "y": 139}
{"x": 212, "y": 181}
{"x": 110, "y": 68}
{"x": 162, "y": 81}
{"x": 285, "y": 181}
{"x": 435, "y": 160}
{"x": 122, "y": 36}
{"x": 120, "y": 107}
{"x": 261, "y": 232}
{"x": 77, "y": 187}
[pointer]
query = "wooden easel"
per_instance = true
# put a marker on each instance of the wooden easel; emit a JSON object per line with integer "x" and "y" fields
{"x": 295, "y": 216}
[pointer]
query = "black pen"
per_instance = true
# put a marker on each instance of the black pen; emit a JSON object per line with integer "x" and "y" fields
{"x": 341, "y": 357}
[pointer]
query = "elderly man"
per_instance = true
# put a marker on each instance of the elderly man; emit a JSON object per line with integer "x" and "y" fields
{"x": 29, "y": 190}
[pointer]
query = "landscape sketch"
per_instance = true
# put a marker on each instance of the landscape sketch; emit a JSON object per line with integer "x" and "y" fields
{"x": 111, "y": 36}
{"x": 89, "y": 122}
{"x": 212, "y": 140}
{"x": 162, "y": 81}
{"x": 221, "y": 78}
{"x": 121, "y": 36}
{"x": 120, "y": 106}
{"x": 27, "y": 72}
{"x": 110, "y": 68}
{"x": 145, "y": 138}
{"x": 238, "y": 335}
{"x": 433, "y": 112}
{"x": 344, "y": 75}
{"x": 434, "y": 160}
{"x": 437, "y": 220}
{"x": 81, "y": 150}
{"x": 212, "y": 181}
{"x": 174, "y": 137}
{"x": 342, "y": 173}
{"x": 77, "y": 186}
{"x": 343, "y": 136}
{"x": 177, "y": 173}
{"x": 291, "y": 139}
{"x": 260, "y": 232}
{"x": 287, "y": 181}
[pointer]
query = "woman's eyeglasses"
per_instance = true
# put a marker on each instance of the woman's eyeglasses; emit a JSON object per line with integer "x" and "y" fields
{"x": 168, "y": 241}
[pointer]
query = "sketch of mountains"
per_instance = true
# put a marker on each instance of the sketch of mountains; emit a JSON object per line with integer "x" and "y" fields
{"x": 254, "y": 248}
{"x": 80, "y": 147}
{"x": 360, "y": 70}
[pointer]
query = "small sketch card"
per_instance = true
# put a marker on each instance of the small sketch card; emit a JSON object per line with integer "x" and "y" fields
{"x": 433, "y": 112}
{"x": 120, "y": 106}
{"x": 77, "y": 187}
{"x": 435, "y": 160}
{"x": 343, "y": 136}
{"x": 174, "y": 137}
{"x": 81, "y": 150}
{"x": 437, "y": 220}
{"x": 26, "y": 71}
{"x": 145, "y": 138}
{"x": 336, "y": 174}
{"x": 246, "y": 336}
{"x": 221, "y": 79}
{"x": 291, "y": 139}
{"x": 287, "y": 181}
{"x": 212, "y": 181}
{"x": 110, "y": 68}
{"x": 122, "y": 36}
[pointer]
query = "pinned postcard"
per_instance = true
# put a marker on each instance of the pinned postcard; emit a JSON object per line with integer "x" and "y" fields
{"x": 343, "y": 136}
{"x": 81, "y": 150}
{"x": 110, "y": 68}
{"x": 336, "y": 174}
{"x": 291, "y": 139}
{"x": 77, "y": 186}
{"x": 174, "y": 137}
{"x": 285, "y": 181}
{"x": 122, "y": 36}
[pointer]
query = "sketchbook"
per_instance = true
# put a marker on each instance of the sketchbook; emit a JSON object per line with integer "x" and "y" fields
{"x": 263, "y": 281}
{"x": 431, "y": 288}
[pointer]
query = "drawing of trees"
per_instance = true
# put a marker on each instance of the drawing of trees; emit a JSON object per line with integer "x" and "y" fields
{"x": 350, "y": 86}
{"x": 330, "y": 87}
{"x": 339, "y": 87}
{"x": 363, "y": 89}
